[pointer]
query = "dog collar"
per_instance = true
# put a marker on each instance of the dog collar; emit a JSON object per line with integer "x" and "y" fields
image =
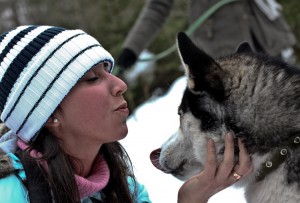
{"x": 277, "y": 158}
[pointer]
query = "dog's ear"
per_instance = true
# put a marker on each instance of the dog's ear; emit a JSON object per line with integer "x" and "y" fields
{"x": 244, "y": 47}
{"x": 203, "y": 73}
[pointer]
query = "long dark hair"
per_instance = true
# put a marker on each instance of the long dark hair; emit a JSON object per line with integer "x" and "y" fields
{"x": 60, "y": 172}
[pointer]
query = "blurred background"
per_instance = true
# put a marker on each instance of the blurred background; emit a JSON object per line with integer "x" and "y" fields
{"x": 110, "y": 21}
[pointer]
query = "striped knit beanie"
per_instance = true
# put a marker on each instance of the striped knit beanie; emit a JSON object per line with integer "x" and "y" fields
{"x": 38, "y": 67}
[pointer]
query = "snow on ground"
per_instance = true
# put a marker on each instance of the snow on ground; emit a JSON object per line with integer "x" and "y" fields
{"x": 151, "y": 124}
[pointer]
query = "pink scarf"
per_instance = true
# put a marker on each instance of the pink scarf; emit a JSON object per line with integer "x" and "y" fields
{"x": 96, "y": 181}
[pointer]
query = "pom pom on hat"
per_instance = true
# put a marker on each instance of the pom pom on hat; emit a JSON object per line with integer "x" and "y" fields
{"x": 38, "y": 67}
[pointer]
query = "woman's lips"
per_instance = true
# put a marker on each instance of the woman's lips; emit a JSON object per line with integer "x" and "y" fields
{"x": 123, "y": 108}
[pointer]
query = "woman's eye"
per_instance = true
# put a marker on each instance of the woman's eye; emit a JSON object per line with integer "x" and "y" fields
{"x": 92, "y": 79}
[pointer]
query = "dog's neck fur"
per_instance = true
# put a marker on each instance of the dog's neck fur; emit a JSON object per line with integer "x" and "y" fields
{"x": 272, "y": 189}
{"x": 275, "y": 184}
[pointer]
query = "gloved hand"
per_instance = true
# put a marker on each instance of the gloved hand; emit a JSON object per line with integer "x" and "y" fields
{"x": 126, "y": 59}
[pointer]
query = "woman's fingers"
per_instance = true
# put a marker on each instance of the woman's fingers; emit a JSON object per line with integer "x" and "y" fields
{"x": 228, "y": 163}
{"x": 211, "y": 159}
{"x": 222, "y": 174}
{"x": 229, "y": 169}
{"x": 244, "y": 166}
{"x": 216, "y": 177}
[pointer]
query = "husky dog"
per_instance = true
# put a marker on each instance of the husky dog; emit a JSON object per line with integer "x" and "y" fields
{"x": 255, "y": 96}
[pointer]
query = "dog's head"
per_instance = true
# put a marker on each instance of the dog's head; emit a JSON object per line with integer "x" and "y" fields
{"x": 248, "y": 93}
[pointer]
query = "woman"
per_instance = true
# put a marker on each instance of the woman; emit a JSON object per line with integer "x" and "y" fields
{"x": 66, "y": 113}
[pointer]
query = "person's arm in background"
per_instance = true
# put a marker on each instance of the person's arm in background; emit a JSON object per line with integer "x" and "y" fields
{"x": 146, "y": 27}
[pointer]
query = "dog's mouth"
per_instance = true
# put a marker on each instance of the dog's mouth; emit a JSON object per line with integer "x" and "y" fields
{"x": 154, "y": 157}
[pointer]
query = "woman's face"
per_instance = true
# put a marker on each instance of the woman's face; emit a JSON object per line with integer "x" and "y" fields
{"x": 94, "y": 111}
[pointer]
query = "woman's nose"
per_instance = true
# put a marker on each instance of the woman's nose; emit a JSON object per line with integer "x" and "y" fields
{"x": 119, "y": 87}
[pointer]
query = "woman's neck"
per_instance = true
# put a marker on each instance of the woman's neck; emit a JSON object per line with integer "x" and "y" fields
{"x": 86, "y": 157}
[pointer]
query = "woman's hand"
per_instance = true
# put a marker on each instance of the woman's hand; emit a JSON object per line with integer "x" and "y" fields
{"x": 214, "y": 178}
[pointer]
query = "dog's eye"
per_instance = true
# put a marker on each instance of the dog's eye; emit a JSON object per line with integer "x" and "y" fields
{"x": 179, "y": 112}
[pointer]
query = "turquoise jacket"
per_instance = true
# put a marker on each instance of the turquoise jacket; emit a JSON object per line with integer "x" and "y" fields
{"x": 12, "y": 189}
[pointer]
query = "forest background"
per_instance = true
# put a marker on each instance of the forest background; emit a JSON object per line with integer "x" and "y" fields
{"x": 110, "y": 20}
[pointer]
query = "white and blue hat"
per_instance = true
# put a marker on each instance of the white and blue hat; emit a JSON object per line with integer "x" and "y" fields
{"x": 38, "y": 67}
